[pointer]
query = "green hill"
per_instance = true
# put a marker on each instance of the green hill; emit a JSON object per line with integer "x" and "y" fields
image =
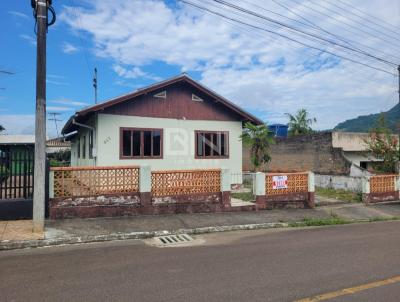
{"x": 366, "y": 122}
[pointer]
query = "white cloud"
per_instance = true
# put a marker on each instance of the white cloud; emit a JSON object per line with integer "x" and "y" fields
{"x": 18, "y": 124}
{"x": 68, "y": 102}
{"x": 28, "y": 38}
{"x": 18, "y": 14}
{"x": 259, "y": 71}
{"x": 68, "y": 48}
{"x": 133, "y": 73}
{"x": 59, "y": 108}
{"x": 58, "y": 83}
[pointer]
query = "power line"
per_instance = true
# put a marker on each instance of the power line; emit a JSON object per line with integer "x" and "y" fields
{"x": 346, "y": 40}
{"x": 343, "y": 22}
{"x": 302, "y": 31}
{"x": 365, "y": 13}
{"x": 54, "y": 118}
{"x": 283, "y": 36}
{"x": 356, "y": 21}
{"x": 84, "y": 47}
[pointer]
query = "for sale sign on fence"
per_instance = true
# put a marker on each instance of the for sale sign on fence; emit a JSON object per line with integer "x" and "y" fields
{"x": 279, "y": 182}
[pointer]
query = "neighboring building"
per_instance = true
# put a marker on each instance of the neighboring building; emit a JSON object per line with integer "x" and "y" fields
{"x": 171, "y": 125}
{"x": 329, "y": 153}
{"x": 16, "y": 152}
{"x": 279, "y": 130}
{"x": 16, "y": 142}
{"x": 58, "y": 144}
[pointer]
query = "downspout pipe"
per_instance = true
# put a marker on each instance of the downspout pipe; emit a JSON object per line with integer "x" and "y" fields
{"x": 74, "y": 122}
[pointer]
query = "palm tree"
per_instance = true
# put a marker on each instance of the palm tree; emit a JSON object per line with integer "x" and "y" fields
{"x": 2, "y": 128}
{"x": 259, "y": 139}
{"x": 300, "y": 123}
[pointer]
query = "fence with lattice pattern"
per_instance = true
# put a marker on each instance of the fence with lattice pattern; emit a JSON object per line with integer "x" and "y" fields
{"x": 92, "y": 181}
{"x": 182, "y": 182}
{"x": 296, "y": 183}
{"x": 383, "y": 183}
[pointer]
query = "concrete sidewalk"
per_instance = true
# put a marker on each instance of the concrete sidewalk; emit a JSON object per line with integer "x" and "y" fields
{"x": 171, "y": 223}
{"x": 70, "y": 231}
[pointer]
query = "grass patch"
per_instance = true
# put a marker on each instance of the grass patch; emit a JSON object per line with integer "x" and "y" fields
{"x": 319, "y": 222}
{"x": 339, "y": 194}
{"x": 245, "y": 196}
{"x": 336, "y": 221}
{"x": 375, "y": 219}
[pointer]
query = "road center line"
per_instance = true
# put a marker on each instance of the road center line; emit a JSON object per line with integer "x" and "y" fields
{"x": 351, "y": 290}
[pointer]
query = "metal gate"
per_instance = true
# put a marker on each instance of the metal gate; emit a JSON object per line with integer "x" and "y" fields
{"x": 16, "y": 182}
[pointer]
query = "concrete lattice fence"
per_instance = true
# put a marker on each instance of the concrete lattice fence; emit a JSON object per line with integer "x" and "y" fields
{"x": 184, "y": 182}
{"x": 293, "y": 183}
{"x": 282, "y": 190}
{"x": 131, "y": 190}
{"x": 90, "y": 181}
{"x": 380, "y": 188}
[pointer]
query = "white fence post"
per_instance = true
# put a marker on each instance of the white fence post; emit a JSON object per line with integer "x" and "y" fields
{"x": 51, "y": 184}
{"x": 311, "y": 182}
{"x": 366, "y": 190}
{"x": 259, "y": 190}
{"x": 226, "y": 187}
{"x": 145, "y": 185}
{"x": 311, "y": 189}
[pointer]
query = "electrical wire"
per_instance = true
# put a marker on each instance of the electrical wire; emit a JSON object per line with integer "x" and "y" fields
{"x": 371, "y": 16}
{"x": 302, "y": 31}
{"x": 283, "y": 36}
{"x": 366, "y": 25}
{"x": 341, "y": 22}
{"x": 347, "y": 41}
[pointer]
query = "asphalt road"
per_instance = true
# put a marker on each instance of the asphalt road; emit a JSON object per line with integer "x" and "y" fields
{"x": 269, "y": 265}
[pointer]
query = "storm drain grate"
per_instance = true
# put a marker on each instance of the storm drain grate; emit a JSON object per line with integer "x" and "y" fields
{"x": 173, "y": 239}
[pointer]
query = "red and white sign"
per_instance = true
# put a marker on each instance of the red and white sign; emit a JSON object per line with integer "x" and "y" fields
{"x": 279, "y": 182}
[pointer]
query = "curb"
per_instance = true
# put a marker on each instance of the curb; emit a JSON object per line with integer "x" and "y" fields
{"x": 12, "y": 245}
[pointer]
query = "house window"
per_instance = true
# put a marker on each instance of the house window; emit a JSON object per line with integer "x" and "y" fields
{"x": 140, "y": 143}
{"x": 79, "y": 147}
{"x": 212, "y": 144}
{"x": 84, "y": 147}
{"x": 91, "y": 144}
{"x": 364, "y": 164}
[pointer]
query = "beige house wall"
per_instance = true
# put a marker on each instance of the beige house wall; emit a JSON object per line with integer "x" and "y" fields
{"x": 178, "y": 143}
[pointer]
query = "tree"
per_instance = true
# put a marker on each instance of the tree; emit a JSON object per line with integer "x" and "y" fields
{"x": 258, "y": 139}
{"x": 300, "y": 123}
{"x": 385, "y": 146}
{"x": 2, "y": 128}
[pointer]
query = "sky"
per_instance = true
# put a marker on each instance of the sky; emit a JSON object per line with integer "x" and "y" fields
{"x": 139, "y": 42}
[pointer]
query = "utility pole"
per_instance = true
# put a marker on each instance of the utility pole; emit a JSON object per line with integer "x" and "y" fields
{"x": 41, "y": 8}
{"x": 398, "y": 123}
{"x": 95, "y": 85}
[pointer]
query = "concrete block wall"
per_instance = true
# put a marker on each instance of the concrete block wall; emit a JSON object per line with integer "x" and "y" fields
{"x": 303, "y": 153}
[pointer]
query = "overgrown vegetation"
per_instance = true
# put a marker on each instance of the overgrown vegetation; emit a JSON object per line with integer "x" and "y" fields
{"x": 259, "y": 139}
{"x": 339, "y": 194}
{"x": 60, "y": 159}
{"x": 245, "y": 196}
{"x": 300, "y": 123}
{"x": 383, "y": 145}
